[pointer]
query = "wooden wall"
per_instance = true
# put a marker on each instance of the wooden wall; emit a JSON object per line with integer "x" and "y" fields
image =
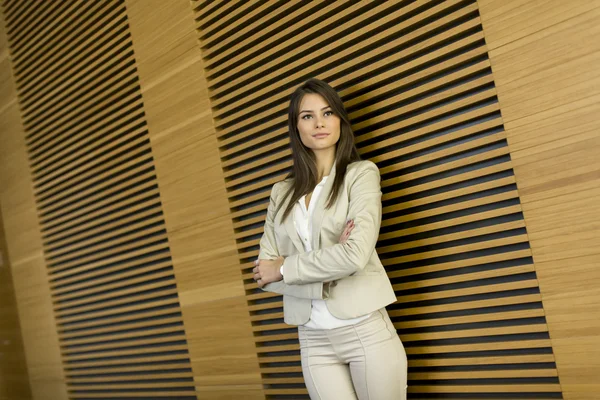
{"x": 14, "y": 379}
{"x": 545, "y": 59}
{"x": 482, "y": 116}
{"x": 24, "y": 246}
{"x": 99, "y": 242}
{"x": 194, "y": 200}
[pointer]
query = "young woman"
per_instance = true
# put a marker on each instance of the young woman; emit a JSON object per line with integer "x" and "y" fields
{"x": 318, "y": 250}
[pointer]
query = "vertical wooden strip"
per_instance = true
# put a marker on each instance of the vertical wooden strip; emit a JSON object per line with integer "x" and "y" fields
{"x": 544, "y": 59}
{"x": 194, "y": 199}
{"x": 14, "y": 378}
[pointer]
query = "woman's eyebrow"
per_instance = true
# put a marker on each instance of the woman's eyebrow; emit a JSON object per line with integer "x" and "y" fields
{"x": 309, "y": 111}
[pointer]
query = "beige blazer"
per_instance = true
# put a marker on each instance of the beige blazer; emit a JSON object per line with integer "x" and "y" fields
{"x": 356, "y": 282}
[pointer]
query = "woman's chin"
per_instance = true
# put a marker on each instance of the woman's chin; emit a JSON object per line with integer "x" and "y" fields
{"x": 322, "y": 146}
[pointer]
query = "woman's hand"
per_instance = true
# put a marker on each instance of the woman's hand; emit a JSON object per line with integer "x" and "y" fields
{"x": 346, "y": 234}
{"x": 267, "y": 271}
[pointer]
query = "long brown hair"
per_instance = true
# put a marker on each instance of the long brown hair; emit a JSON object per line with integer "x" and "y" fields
{"x": 304, "y": 170}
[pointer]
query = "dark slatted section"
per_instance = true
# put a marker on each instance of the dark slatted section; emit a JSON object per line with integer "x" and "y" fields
{"x": 105, "y": 242}
{"x": 416, "y": 79}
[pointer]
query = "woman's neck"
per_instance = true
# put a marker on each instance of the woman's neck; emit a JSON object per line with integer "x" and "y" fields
{"x": 324, "y": 159}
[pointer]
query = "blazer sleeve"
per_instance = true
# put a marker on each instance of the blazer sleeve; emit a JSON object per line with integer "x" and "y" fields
{"x": 342, "y": 260}
{"x": 269, "y": 251}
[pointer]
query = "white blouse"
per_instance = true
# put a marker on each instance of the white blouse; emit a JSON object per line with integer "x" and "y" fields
{"x": 320, "y": 317}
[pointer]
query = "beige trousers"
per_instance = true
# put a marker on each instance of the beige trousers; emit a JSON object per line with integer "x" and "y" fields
{"x": 365, "y": 361}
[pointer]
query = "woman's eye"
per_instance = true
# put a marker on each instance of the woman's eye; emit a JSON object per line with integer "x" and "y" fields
{"x": 306, "y": 116}
{"x": 328, "y": 113}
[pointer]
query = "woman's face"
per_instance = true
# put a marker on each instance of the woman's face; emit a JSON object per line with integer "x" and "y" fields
{"x": 319, "y": 127}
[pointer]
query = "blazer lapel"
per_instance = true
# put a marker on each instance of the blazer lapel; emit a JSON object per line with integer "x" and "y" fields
{"x": 319, "y": 210}
{"x": 290, "y": 226}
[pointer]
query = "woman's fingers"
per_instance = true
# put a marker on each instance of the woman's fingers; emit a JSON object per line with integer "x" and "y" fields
{"x": 347, "y": 230}
{"x": 349, "y": 226}
{"x": 256, "y": 263}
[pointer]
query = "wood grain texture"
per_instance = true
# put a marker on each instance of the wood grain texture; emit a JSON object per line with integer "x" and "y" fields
{"x": 446, "y": 133}
{"x": 22, "y": 253}
{"x": 14, "y": 378}
{"x": 544, "y": 58}
{"x": 201, "y": 235}
{"x": 104, "y": 243}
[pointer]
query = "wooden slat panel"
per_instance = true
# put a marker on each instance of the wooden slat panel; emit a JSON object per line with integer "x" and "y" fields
{"x": 95, "y": 290}
{"x": 212, "y": 23}
{"x": 106, "y": 250}
{"x": 48, "y": 9}
{"x": 152, "y": 246}
{"x": 45, "y": 50}
{"x": 385, "y": 16}
{"x": 57, "y": 98}
{"x": 144, "y": 394}
{"x": 126, "y": 320}
{"x": 58, "y": 131}
{"x": 85, "y": 345}
{"x": 84, "y": 239}
{"x": 227, "y": 131}
{"x": 131, "y": 200}
{"x": 116, "y": 293}
{"x": 145, "y": 324}
{"x": 341, "y": 65}
{"x": 71, "y": 162}
{"x": 122, "y": 310}
{"x": 60, "y": 175}
{"x": 115, "y": 304}
{"x": 97, "y": 173}
{"x": 118, "y": 363}
{"x": 149, "y": 370}
{"x": 422, "y": 62}
{"x": 36, "y": 370}
{"x": 120, "y": 272}
{"x": 224, "y": 48}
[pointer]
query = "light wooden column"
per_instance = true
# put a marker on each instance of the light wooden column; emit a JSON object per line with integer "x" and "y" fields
{"x": 23, "y": 241}
{"x": 195, "y": 205}
{"x": 545, "y": 57}
{"x": 14, "y": 380}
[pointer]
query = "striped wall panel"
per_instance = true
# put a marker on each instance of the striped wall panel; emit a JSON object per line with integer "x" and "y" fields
{"x": 105, "y": 243}
{"x": 416, "y": 79}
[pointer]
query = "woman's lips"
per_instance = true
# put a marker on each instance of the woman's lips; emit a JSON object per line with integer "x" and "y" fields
{"x": 321, "y": 135}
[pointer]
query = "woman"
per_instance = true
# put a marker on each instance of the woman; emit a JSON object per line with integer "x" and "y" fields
{"x": 318, "y": 250}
